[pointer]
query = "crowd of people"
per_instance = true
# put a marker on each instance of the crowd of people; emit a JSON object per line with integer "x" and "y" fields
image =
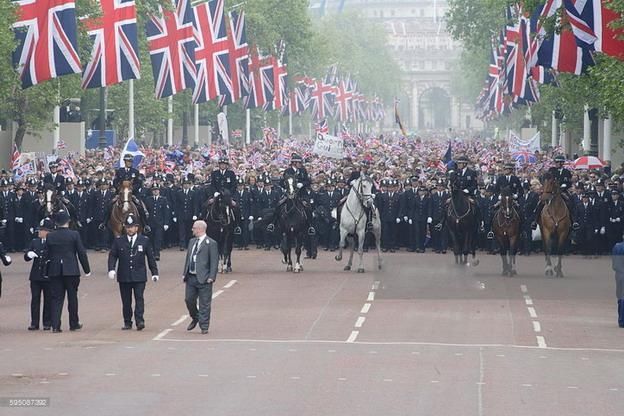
{"x": 174, "y": 186}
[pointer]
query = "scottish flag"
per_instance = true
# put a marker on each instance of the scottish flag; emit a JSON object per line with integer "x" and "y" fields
{"x": 132, "y": 148}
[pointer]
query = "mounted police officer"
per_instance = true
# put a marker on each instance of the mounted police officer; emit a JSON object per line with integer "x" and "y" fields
{"x": 466, "y": 177}
{"x": 128, "y": 173}
{"x": 564, "y": 178}
{"x": 55, "y": 179}
{"x": 509, "y": 181}
{"x": 129, "y": 254}
{"x": 223, "y": 178}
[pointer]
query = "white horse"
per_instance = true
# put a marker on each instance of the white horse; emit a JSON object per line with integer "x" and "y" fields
{"x": 353, "y": 220}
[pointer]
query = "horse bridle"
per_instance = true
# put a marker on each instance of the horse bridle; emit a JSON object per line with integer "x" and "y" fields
{"x": 360, "y": 195}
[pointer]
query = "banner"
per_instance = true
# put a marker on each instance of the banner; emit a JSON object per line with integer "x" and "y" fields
{"x": 223, "y": 128}
{"x": 329, "y": 146}
{"x": 523, "y": 151}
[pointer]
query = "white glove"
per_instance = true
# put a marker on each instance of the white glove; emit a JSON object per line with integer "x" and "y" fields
{"x": 175, "y": 219}
{"x": 259, "y": 218}
{"x": 194, "y": 217}
{"x": 617, "y": 219}
{"x": 8, "y": 259}
{"x": 250, "y": 218}
{"x": 155, "y": 278}
{"x": 165, "y": 227}
{"x": 563, "y": 186}
{"x": 405, "y": 218}
{"x": 17, "y": 219}
{"x": 88, "y": 274}
{"x": 31, "y": 255}
{"x": 32, "y": 230}
{"x": 111, "y": 274}
{"x": 515, "y": 196}
{"x": 410, "y": 221}
{"x": 216, "y": 194}
{"x": 4, "y": 221}
{"x": 88, "y": 220}
{"x": 466, "y": 191}
{"x": 602, "y": 230}
{"x": 596, "y": 231}
{"x": 299, "y": 185}
{"x": 398, "y": 220}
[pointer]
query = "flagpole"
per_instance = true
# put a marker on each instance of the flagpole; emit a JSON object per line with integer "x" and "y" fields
{"x": 170, "y": 121}
{"x": 290, "y": 123}
{"x": 196, "y": 124}
{"x": 248, "y": 126}
{"x": 279, "y": 124}
{"x": 131, "y": 108}
{"x": 102, "y": 141}
{"x": 57, "y": 117}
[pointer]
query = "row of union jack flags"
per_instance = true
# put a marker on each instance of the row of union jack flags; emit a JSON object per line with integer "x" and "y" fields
{"x": 199, "y": 47}
{"x": 524, "y": 55}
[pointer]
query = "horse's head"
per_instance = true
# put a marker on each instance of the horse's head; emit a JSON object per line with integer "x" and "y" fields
{"x": 549, "y": 184}
{"x": 125, "y": 195}
{"x": 49, "y": 196}
{"x": 453, "y": 180}
{"x": 506, "y": 203}
{"x": 291, "y": 186}
{"x": 364, "y": 189}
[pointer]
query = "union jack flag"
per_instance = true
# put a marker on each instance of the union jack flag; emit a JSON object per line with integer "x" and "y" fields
{"x": 343, "y": 99}
{"x": 322, "y": 127}
{"x": 172, "y": 49}
{"x": 115, "y": 53}
{"x": 275, "y": 78}
{"x": 15, "y": 156}
{"x": 46, "y": 35}
{"x": 239, "y": 58}
{"x": 256, "y": 97}
{"x": 212, "y": 52}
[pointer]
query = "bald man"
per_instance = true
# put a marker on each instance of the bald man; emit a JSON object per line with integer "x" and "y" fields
{"x": 200, "y": 272}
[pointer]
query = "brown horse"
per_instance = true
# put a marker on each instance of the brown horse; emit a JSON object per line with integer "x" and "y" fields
{"x": 506, "y": 227}
{"x": 123, "y": 205}
{"x": 554, "y": 222}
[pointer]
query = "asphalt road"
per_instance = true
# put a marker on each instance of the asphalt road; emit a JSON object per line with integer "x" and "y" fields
{"x": 420, "y": 337}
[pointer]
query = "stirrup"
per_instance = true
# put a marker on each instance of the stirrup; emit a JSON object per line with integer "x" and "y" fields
{"x": 490, "y": 235}
{"x": 534, "y": 225}
{"x": 270, "y": 228}
{"x": 369, "y": 226}
{"x": 311, "y": 231}
{"x": 238, "y": 231}
{"x": 576, "y": 226}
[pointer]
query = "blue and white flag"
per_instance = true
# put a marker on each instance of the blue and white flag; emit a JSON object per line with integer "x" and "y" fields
{"x": 132, "y": 148}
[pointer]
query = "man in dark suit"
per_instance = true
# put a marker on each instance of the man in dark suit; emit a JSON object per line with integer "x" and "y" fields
{"x": 65, "y": 250}
{"x": 37, "y": 251}
{"x": 129, "y": 253}
{"x": 199, "y": 273}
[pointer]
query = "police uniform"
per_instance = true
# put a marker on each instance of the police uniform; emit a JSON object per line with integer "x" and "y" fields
{"x": 334, "y": 197}
{"x": 19, "y": 213}
{"x": 159, "y": 215}
{"x": 244, "y": 203}
{"x": 267, "y": 203}
{"x": 406, "y": 212}
{"x": 222, "y": 179}
{"x": 7, "y": 222}
{"x": 186, "y": 212}
{"x": 127, "y": 174}
{"x": 421, "y": 216}
{"x": 439, "y": 235}
{"x": 388, "y": 204}
{"x": 510, "y": 183}
{"x": 527, "y": 202}
{"x": 55, "y": 179}
{"x": 37, "y": 252}
{"x": 615, "y": 223}
{"x": 81, "y": 201}
{"x": 586, "y": 217}
{"x": 312, "y": 238}
{"x": 103, "y": 201}
{"x": 128, "y": 255}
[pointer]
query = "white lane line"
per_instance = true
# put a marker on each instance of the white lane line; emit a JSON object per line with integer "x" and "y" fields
{"x": 528, "y": 300}
{"x": 376, "y": 284}
{"x": 527, "y": 385}
{"x": 217, "y": 293}
{"x": 203, "y": 375}
{"x": 63, "y": 374}
{"x": 17, "y": 375}
{"x": 179, "y": 321}
{"x": 614, "y": 389}
{"x": 342, "y": 379}
{"x": 353, "y": 336}
{"x": 523, "y": 288}
{"x": 251, "y": 376}
{"x": 537, "y": 327}
{"x": 365, "y": 308}
{"x": 480, "y": 383}
{"x": 387, "y": 380}
{"x": 156, "y": 375}
{"x": 360, "y": 322}
{"x": 573, "y": 387}
{"x": 541, "y": 342}
{"x": 532, "y": 312}
{"x": 371, "y": 296}
{"x": 110, "y": 374}
{"x": 230, "y": 284}
{"x": 162, "y": 334}
{"x": 435, "y": 381}
{"x": 295, "y": 378}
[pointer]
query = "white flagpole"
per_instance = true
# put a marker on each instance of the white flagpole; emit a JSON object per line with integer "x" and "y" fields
{"x": 196, "y": 123}
{"x": 290, "y": 123}
{"x": 170, "y": 121}
{"x": 248, "y": 126}
{"x": 279, "y": 124}
{"x": 131, "y": 108}
{"x": 57, "y": 118}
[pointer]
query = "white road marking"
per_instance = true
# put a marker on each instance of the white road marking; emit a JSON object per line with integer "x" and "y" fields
{"x": 371, "y": 296}
{"x": 17, "y": 375}
{"x": 203, "y": 375}
{"x": 584, "y": 358}
{"x": 155, "y": 375}
{"x": 527, "y": 385}
{"x": 63, "y": 374}
{"x": 523, "y": 288}
{"x": 110, "y": 374}
{"x": 459, "y": 354}
{"x": 179, "y": 321}
{"x": 353, "y": 336}
{"x": 295, "y": 378}
{"x": 129, "y": 347}
{"x": 360, "y": 322}
{"x": 541, "y": 342}
{"x": 480, "y": 383}
{"x": 614, "y": 389}
{"x": 252, "y": 349}
{"x": 230, "y": 284}
{"x": 387, "y": 380}
{"x": 251, "y": 376}
{"x": 532, "y": 312}
{"x": 573, "y": 387}
{"x": 416, "y": 352}
{"x": 372, "y": 352}
{"x": 331, "y": 350}
{"x": 47, "y": 349}
{"x": 435, "y": 381}
{"x": 365, "y": 308}
{"x": 162, "y": 334}
{"x": 500, "y": 355}
{"x": 44, "y": 382}
{"x": 292, "y": 350}
{"x": 376, "y": 284}
{"x": 543, "y": 357}
{"x": 537, "y": 327}
{"x": 217, "y": 293}
{"x": 342, "y": 379}
{"x": 528, "y": 300}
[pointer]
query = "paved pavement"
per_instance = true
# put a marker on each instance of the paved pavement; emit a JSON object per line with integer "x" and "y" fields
{"x": 421, "y": 337}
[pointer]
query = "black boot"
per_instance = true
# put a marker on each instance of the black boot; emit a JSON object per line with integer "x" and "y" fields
{"x": 621, "y": 313}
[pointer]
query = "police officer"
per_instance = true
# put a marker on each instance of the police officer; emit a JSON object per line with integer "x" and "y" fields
{"x": 81, "y": 203}
{"x": 19, "y": 212}
{"x": 564, "y": 178}
{"x": 129, "y": 254}
{"x": 186, "y": 212}
{"x": 509, "y": 181}
{"x": 159, "y": 214}
{"x": 439, "y": 235}
{"x": 615, "y": 224}
{"x": 103, "y": 200}
{"x": 334, "y": 198}
{"x": 7, "y": 222}
{"x": 467, "y": 177}
{"x": 65, "y": 250}
{"x": 528, "y": 202}
{"x": 388, "y": 203}
{"x": 127, "y": 173}
{"x": 223, "y": 178}
{"x": 54, "y": 178}
{"x": 586, "y": 217}
{"x": 312, "y": 239}
{"x": 244, "y": 203}
{"x": 37, "y": 252}
{"x": 406, "y": 212}
{"x": 421, "y": 217}
{"x": 267, "y": 204}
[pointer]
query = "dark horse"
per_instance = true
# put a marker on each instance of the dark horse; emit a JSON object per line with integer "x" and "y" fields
{"x": 554, "y": 223}
{"x": 293, "y": 223}
{"x": 52, "y": 203}
{"x": 461, "y": 218}
{"x": 506, "y": 227}
{"x": 221, "y": 221}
